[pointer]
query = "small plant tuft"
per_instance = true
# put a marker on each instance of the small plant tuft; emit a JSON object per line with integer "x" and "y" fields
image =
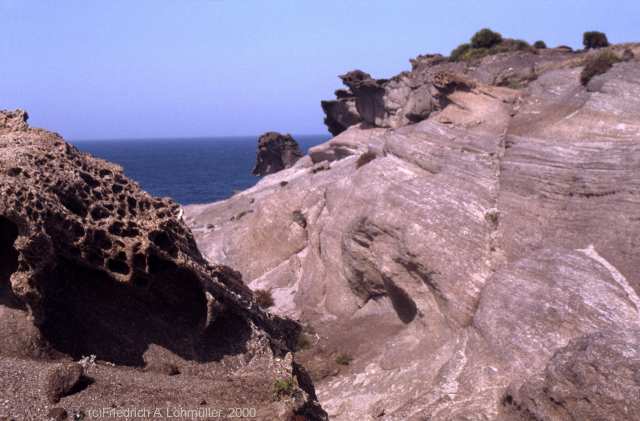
{"x": 597, "y": 65}
{"x": 343, "y": 359}
{"x": 283, "y": 388}
{"x": 540, "y": 45}
{"x": 594, "y": 39}
{"x": 485, "y": 38}
{"x": 264, "y": 298}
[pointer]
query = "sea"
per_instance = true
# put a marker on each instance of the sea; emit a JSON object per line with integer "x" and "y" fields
{"x": 199, "y": 170}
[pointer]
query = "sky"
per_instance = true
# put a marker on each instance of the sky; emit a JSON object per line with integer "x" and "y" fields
{"x": 101, "y": 69}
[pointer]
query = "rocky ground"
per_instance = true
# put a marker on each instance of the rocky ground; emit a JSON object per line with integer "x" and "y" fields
{"x": 466, "y": 248}
{"x": 106, "y": 304}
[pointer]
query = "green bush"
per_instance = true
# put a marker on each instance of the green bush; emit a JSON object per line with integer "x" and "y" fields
{"x": 541, "y": 45}
{"x": 485, "y": 38}
{"x": 459, "y": 51}
{"x": 486, "y": 42}
{"x": 594, "y": 39}
{"x": 264, "y": 298}
{"x": 283, "y": 387}
{"x": 476, "y": 53}
{"x": 597, "y": 65}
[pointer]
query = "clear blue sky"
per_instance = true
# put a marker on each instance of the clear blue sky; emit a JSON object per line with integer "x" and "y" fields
{"x": 150, "y": 68}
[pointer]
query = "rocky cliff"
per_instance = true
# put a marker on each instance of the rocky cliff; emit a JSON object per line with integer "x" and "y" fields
{"x": 467, "y": 246}
{"x": 93, "y": 269}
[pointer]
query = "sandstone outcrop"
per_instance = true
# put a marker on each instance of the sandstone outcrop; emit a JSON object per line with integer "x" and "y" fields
{"x": 94, "y": 269}
{"x": 340, "y": 113}
{"x": 472, "y": 262}
{"x": 412, "y": 96}
{"x": 276, "y": 152}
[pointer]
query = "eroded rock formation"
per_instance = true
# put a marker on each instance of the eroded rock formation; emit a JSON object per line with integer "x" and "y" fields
{"x": 276, "y": 152}
{"x": 92, "y": 267}
{"x": 412, "y": 96}
{"x": 472, "y": 262}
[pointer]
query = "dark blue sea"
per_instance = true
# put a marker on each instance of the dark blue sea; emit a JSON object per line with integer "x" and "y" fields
{"x": 190, "y": 171}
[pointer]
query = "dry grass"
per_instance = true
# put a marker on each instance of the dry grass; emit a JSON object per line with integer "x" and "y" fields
{"x": 597, "y": 65}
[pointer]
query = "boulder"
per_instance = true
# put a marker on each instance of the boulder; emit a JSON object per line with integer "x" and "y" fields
{"x": 276, "y": 152}
{"x": 62, "y": 380}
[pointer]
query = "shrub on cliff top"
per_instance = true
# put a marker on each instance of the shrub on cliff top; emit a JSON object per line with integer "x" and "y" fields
{"x": 598, "y": 65}
{"x": 485, "y": 38}
{"x": 487, "y": 42}
{"x": 458, "y": 52}
{"x": 594, "y": 39}
{"x": 541, "y": 45}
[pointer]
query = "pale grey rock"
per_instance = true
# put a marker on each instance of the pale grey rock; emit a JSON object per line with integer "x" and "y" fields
{"x": 466, "y": 250}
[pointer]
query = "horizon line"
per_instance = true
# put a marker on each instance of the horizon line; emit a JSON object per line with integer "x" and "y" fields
{"x": 204, "y": 137}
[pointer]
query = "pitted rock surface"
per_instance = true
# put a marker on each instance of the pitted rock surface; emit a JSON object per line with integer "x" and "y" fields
{"x": 91, "y": 265}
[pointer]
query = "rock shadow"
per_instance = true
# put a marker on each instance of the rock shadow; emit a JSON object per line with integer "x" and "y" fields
{"x": 402, "y": 303}
{"x": 89, "y": 312}
{"x": 8, "y": 262}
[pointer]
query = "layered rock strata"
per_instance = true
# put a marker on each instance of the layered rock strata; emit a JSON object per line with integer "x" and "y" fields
{"x": 479, "y": 262}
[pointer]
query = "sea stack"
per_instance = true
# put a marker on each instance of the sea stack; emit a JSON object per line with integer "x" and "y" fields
{"x": 276, "y": 151}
